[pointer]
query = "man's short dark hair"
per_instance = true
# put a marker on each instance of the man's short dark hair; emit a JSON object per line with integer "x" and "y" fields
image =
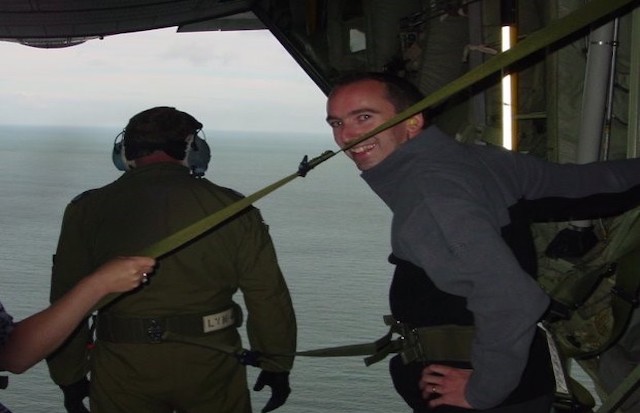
{"x": 400, "y": 92}
{"x": 161, "y": 128}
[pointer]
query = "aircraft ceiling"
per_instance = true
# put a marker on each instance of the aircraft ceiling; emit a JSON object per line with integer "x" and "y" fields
{"x": 61, "y": 23}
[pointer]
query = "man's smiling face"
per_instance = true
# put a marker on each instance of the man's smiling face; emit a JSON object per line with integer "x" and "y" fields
{"x": 359, "y": 107}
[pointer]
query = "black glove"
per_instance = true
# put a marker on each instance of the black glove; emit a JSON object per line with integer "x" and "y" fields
{"x": 74, "y": 394}
{"x": 280, "y": 390}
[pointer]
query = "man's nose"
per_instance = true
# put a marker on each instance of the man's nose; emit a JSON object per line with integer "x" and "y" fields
{"x": 349, "y": 133}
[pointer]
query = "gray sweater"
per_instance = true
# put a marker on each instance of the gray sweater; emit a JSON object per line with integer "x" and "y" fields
{"x": 449, "y": 201}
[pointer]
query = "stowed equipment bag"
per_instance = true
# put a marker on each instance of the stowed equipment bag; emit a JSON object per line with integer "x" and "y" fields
{"x": 594, "y": 301}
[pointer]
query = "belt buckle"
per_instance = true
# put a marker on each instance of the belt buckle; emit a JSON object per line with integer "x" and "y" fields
{"x": 155, "y": 332}
{"x": 412, "y": 347}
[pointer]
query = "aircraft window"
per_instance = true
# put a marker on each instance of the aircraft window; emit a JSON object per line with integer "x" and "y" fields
{"x": 357, "y": 40}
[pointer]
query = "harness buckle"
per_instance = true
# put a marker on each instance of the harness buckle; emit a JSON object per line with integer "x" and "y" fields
{"x": 155, "y": 332}
{"x": 304, "y": 167}
{"x": 409, "y": 344}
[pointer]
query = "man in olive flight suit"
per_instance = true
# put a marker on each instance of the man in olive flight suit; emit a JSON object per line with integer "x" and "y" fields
{"x": 170, "y": 345}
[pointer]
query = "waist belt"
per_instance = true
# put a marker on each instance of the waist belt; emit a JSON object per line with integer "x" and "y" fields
{"x": 426, "y": 344}
{"x": 442, "y": 343}
{"x": 154, "y": 329}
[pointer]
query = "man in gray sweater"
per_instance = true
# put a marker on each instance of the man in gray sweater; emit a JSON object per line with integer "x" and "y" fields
{"x": 458, "y": 259}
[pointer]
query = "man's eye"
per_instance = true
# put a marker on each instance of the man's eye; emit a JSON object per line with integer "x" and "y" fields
{"x": 364, "y": 116}
{"x": 335, "y": 123}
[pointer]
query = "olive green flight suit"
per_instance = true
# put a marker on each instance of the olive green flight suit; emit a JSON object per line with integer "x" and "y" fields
{"x": 140, "y": 208}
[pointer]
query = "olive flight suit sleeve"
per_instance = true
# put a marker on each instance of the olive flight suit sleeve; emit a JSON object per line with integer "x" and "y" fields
{"x": 271, "y": 323}
{"x": 69, "y": 363}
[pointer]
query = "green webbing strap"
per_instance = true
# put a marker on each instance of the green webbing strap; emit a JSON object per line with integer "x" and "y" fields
{"x": 445, "y": 342}
{"x": 376, "y": 351}
{"x": 433, "y": 343}
{"x": 554, "y": 31}
{"x": 385, "y": 344}
{"x": 165, "y": 246}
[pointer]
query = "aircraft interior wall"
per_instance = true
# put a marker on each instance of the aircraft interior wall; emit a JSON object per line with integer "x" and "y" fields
{"x": 433, "y": 42}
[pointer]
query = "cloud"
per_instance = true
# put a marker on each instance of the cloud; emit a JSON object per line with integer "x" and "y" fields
{"x": 231, "y": 80}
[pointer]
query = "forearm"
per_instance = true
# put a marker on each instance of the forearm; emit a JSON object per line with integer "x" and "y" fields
{"x": 545, "y": 179}
{"x": 497, "y": 372}
{"x": 35, "y": 337}
{"x": 271, "y": 323}
{"x": 602, "y": 205}
{"x": 502, "y": 344}
{"x": 279, "y": 346}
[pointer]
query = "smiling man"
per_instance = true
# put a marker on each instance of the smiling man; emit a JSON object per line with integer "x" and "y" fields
{"x": 359, "y": 107}
{"x": 462, "y": 247}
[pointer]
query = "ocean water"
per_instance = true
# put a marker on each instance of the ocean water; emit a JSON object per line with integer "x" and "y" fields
{"x": 329, "y": 229}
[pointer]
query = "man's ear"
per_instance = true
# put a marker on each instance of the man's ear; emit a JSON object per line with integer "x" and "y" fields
{"x": 415, "y": 124}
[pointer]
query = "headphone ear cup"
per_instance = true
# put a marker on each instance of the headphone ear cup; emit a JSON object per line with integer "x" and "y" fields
{"x": 198, "y": 156}
{"x": 117, "y": 155}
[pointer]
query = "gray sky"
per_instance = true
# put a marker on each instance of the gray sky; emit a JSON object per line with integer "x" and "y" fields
{"x": 228, "y": 80}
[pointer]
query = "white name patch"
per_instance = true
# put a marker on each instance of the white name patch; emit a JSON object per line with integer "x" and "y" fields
{"x": 218, "y": 321}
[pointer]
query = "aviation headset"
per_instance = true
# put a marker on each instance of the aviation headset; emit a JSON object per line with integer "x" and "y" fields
{"x": 197, "y": 153}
